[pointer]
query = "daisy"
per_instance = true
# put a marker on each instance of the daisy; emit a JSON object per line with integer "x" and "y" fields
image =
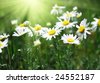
{"x": 57, "y": 9}
{"x": 83, "y": 29}
{"x": 3, "y": 44}
{"x": 71, "y": 14}
{"x": 20, "y": 32}
{"x": 68, "y": 15}
{"x": 70, "y": 39}
{"x": 4, "y": 36}
{"x": 24, "y": 25}
{"x": 66, "y": 23}
{"x": 27, "y": 26}
{"x": 38, "y": 29}
{"x": 95, "y": 24}
{"x": 23, "y": 29}
{"x": 51, "y": 33}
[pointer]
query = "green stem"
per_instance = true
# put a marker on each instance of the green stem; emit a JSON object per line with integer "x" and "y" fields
{"x": 9, "y": 58}
{"x": 58, "y": 55}
{"x": 39, "y": 58}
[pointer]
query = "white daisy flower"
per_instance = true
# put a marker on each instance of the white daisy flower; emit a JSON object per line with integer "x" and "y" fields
{"x": 22, "y": 26}
{"x": 4, "y": 36}
{"x": 38, "y": 29}
{"x": 71, "y": 14}
{"x": 27, "y": 26}
{"x": 83, "y": 29}
{"x": 3, "y": 44}
{"x": 57, "y": 9}
{"x": 51, "y": 33}
{"x": 70, "y": 39}
{"x": 95, "y": 24}
{"x": 66, "y": 23}
{"x": 20, "y": 32}
{"x": 23, "y": 29}
{"x": 37, "y": 42}
{"x": 68, "y": 15}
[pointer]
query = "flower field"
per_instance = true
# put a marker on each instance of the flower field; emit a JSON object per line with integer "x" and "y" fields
{"x": 49, "y": 35}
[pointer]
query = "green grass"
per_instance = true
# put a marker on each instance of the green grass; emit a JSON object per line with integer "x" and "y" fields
{"x": 50, "y": 54}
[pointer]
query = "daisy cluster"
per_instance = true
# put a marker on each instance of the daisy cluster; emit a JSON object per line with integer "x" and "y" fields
{"x": 68, "y": 28}
{"x": 73, "y": 31}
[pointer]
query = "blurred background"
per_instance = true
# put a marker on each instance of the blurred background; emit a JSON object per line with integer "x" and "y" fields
{"x": 38, "y": 12}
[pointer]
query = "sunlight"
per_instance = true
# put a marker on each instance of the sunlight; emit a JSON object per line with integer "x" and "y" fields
{"x": 31, "y": 8}
{"x": 30, "y": 3}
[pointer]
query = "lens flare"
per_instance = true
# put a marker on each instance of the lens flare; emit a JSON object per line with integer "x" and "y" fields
{"x": 32, "y": 10}
{"x": 29, "y": 2}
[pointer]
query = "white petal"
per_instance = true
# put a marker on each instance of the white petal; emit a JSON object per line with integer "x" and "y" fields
{"x": 85, "y": 36}
{"x": 15, "y": 34}
{"x": 77, "y": 42}
{"x": 88, "y": 32}
{"x": 0, "y": 50}
{"x": 83, "y": 22}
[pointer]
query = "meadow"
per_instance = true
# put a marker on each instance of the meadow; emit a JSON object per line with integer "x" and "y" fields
{"x": 35, "y": 51}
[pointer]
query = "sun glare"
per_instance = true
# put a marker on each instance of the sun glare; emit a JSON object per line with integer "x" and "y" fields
{"x": 29, "y": 2}
{"x": 31, "y": 8}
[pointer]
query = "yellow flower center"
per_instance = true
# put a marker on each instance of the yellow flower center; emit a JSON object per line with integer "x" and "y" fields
{"x": 51, "y": 32}
{"x": 99, "y": 22}
{"x": 22, "y": 25}
{"x": 1, "y": 44}
{"x": 81, "y": 29}
{"x": 70, "y": 40}
{"x": 37, "y": 28}
{"x": 65, "y": 22}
